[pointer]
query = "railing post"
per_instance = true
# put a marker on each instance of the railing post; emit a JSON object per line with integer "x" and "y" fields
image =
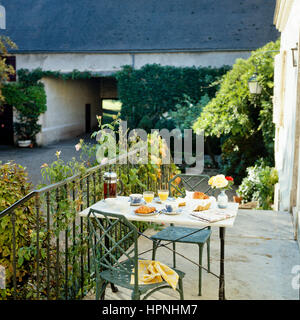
{"x": 13, "y": 221}
{"x": 57, "y": 244}
{"x": 48, "y": 243}
{"x": 66, "y": 249}
{"x": 37, "y": 207}
{"x": 73, "y": 235}
{"x": 88, "y": 226}
{"x": 81, "y": 241}
{"x": 94, "y": 184}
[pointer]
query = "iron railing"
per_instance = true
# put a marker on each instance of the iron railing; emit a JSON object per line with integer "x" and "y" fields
{"x": 62, "y": 256}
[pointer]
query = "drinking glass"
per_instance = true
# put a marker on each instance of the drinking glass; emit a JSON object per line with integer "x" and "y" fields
{"x": 163, "y": 195}
{"x": 148, "y": 196}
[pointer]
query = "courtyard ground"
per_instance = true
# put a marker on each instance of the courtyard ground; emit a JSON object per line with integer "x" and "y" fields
{"x": 33, "y": 158}
{"x": 259, "y": 256}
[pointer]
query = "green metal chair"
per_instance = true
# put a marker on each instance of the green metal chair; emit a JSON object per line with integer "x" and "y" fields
{"x": 112, "y": 237}
{"x": 181, "y": 234}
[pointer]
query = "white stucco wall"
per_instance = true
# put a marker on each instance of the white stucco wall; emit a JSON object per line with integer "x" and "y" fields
{"x": 290, "y": 34}
{"x": 65, "y": 115}
{"x": 109, "y": 62}
{"x": 205, "y": 59}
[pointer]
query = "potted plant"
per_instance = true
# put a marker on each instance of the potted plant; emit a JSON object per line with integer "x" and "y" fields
{"x": 26, "y": 132}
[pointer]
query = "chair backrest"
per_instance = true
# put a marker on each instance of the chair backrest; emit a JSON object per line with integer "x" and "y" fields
{"x": 112, "y": 236}
{"x": 189, "y": 182}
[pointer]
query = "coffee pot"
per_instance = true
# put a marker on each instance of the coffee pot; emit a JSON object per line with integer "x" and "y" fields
{"x": 110, "y": 180}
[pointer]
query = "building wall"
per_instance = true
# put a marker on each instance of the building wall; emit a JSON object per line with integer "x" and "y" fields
{"x": 287, "y": 108}
{"x": 65, "y": 115}
{"x": 97, "y": 62}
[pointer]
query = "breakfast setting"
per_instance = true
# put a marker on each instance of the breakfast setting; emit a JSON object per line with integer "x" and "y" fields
{"x": 195, "y": 205}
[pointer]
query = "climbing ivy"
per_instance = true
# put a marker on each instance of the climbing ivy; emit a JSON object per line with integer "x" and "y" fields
{"x": 149, "y": 93}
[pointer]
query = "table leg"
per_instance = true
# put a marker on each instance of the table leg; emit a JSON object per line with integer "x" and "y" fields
{"x": 222, "y": 257}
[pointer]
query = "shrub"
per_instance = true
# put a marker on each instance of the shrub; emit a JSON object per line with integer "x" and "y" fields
{"x": 14, "y": 185}
{"x": 244, "y": 122}
{"x": 258, "y": 185}
{"x": 151, "y": 91}
{"x": 5, "y": 70}
{"x": 30, "y": 102}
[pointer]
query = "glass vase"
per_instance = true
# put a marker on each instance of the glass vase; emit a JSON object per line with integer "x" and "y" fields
{"x": 222, "y": 200}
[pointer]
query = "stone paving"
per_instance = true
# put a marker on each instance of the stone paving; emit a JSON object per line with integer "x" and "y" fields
{"x": 260, "y": 253}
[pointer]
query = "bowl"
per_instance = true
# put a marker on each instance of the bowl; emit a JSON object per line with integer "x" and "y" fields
{"x": 135, "y": 198}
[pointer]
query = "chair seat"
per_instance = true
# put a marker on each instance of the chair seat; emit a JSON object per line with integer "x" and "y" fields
{"x": 172, "y": 233}
{"x": 122, "y": 278}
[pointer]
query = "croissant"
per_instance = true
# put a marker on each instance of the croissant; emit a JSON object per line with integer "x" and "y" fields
{"x": 202, "y": 208}
{"x": 200, "y": 195}
{"x": 144, "y": 209}
{"x": 181, "y": 204}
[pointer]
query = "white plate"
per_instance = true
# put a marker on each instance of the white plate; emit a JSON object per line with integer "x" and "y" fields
{"x": 147, "y": 214}
{"x": 138, "y": 204}
{"x": 174, "y": 213}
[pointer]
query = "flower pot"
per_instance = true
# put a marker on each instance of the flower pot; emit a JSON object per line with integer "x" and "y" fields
{"x": 24, "y": 143}
{"x": 237, "y": 199}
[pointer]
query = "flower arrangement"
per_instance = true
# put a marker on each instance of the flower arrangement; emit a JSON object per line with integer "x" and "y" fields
{"x": 221, "y": 182}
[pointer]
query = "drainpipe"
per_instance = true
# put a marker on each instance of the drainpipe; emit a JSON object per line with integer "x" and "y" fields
{"x": 132, "y": 59}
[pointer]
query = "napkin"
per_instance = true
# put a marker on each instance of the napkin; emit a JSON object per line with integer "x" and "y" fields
{"x": 214, "y": 215}
{"x": 150, "y": 271}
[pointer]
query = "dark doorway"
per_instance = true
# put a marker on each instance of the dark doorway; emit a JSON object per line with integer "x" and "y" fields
{"x": 87, "y": 118}
{"x": 6, "y": 125}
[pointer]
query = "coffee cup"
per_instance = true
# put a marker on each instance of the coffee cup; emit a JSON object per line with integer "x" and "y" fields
{"x": 135, "y": 198}
{"x": 171, "y": 207}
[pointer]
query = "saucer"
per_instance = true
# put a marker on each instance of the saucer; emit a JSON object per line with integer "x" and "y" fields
{"x": 138, "y": 203}
{"x": 173, "y": 213}
{"x": 159, "y": 201}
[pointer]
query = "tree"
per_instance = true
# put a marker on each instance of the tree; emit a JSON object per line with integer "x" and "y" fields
{"x": 5, "y": 70}
{"x": 243, "y": 122}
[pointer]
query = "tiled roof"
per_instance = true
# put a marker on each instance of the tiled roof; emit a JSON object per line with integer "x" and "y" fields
{"x": 139, "y": 25}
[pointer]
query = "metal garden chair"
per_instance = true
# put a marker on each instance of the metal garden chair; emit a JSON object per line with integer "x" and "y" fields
{"x": 112, "y": 237}
{"x": 181, "y": 234}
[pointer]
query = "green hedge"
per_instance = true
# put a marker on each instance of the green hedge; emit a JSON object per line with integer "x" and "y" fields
{"x": 147, "y": 93}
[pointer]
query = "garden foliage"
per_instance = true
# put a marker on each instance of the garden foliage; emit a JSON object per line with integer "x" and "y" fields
{"x": 30, "y": 102}
{"x": 148, "y": 94}
{"x": 14, "y": 185}
{"x": 258, "y": 185}
{"x": 5, "y": 70}
{"x": 243, "y": 121}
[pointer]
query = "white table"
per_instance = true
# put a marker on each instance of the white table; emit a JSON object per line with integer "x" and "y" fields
{"x": 184, "y": 219}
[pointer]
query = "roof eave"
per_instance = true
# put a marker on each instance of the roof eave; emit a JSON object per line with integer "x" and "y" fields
{"x": 134, "y": 51}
